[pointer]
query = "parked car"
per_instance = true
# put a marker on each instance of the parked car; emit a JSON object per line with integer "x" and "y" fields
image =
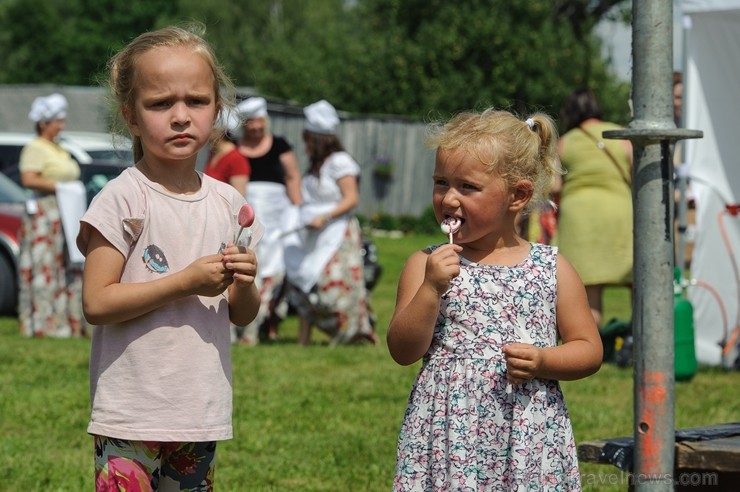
{"x": 12, "y": 205}
{"x": 93, "y": 175}
{"x": 84, "y": 147}
{"x": 98, "y": 146}
{"x": 101, "y": 157}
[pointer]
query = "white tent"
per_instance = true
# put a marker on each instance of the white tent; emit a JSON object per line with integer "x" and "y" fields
{"x": 712, "y": 104}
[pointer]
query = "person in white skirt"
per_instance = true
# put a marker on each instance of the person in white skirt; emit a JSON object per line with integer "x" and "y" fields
{"x": 325, "y": 265}
{"x": 274, "y": 187}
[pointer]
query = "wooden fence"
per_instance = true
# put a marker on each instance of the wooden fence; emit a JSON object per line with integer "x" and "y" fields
{"x": 379, "y": 144}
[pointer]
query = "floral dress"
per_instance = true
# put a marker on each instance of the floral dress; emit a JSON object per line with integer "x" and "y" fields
{"x": 50, "y": 288}
{"x": 49, "y": 285}
{"x": 466, "y": 428}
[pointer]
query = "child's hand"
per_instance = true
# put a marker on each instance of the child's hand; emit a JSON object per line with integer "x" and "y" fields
{"x": 442, "y": 266}
{"x": 242, "y": 262}
{"x": 523, "y": 361}
{"x": 208, "y": 276}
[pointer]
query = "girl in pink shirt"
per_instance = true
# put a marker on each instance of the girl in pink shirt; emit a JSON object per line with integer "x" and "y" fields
{"x": 162, "y": 277}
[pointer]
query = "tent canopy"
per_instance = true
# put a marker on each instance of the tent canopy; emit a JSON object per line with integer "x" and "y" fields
{"x": 711, "y": 104}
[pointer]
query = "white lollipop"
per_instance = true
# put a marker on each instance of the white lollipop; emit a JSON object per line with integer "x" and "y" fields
{"x": 450, "y": 226}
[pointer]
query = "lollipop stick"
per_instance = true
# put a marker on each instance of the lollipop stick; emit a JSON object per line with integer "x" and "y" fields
{"x": 451, "y": 238}
{"x": 249, "y": 232}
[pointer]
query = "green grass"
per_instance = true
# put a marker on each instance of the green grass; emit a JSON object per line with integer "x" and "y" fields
{"x": 305, "y": 418}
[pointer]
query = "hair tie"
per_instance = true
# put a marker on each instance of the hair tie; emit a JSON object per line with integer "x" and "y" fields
{"x": 530, "y": 123}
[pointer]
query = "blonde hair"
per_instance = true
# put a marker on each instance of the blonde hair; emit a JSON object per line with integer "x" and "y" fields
{"x": 506, "y": 145}
{"x": 122, "y": 68}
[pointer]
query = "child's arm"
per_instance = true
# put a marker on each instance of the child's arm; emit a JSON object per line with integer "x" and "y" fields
{"x": 105, "y": 300}
{"x": 244, "y": 298}
{"x": 580, "y": 353}
{"x": 424, "y": 279}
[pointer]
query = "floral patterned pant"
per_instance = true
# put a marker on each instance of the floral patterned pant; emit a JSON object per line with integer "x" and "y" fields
{"x": 144, "y": 466}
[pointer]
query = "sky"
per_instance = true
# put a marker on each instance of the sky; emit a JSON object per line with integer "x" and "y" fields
{"x": 618, "y": 43}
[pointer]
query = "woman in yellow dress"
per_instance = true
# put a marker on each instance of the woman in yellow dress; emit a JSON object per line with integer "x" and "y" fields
{"x": 50, "y": 287}
{"x": 595, "y": 217}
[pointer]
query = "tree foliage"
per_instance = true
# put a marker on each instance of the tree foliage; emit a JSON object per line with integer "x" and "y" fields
{"x": 416, "y": 57}
{"x": 405, "y": 57}
{"x": 69, "y": 42}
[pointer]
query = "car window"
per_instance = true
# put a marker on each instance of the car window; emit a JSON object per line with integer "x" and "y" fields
{"x": 96, "y": 176}
{"x": 10, "y": 192}
{"x": 100, "y": 162}
{"x": 112, "y": 155}
{"x": 10, "y": 155}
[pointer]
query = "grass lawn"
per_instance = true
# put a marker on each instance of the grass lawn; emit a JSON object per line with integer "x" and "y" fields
{"x": 305, "y": 418}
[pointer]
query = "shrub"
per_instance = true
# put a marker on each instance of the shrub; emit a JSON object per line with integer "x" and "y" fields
{"x": 426, "y": 223}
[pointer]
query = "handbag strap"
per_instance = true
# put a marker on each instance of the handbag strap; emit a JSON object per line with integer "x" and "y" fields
{"x": 600, "y": 144}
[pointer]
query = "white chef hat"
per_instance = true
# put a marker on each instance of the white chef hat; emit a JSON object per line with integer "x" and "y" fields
{"x": 229, "y": 120}
{"x": 253, "y": 107}
{"x": 52, "y": 107}
{"x": 321, "y": 117}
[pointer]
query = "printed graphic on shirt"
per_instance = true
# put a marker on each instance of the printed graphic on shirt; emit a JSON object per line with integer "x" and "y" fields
{"x": 155, "y": 260}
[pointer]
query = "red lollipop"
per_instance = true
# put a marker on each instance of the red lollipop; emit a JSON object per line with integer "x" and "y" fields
{"x": 245, "y": 219}
{"x": 246, "y": 215}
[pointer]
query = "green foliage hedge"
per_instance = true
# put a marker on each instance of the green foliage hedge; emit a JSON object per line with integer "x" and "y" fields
{"x": 426, "y": 223}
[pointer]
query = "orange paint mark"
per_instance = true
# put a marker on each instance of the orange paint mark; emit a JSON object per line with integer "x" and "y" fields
{"x": 653, "y": 394}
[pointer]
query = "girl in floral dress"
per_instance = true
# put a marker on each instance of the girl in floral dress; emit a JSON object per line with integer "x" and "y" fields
{"x": 486, "y": 315}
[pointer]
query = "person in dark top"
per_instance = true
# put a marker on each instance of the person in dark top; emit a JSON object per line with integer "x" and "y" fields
{"x": 274, "y": 188}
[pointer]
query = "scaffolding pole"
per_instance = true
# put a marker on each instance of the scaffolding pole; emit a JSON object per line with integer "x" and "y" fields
{"x": 652, "y": 132}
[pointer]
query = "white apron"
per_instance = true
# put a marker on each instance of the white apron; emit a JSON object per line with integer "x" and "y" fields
{"x": 307, "y": 251}
{"x": 271, "y": 204}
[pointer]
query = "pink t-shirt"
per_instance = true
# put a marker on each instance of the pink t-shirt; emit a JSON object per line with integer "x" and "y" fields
{"x": 166, "y": 375}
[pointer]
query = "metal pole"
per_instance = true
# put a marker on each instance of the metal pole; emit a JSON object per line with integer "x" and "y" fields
{"x": 651, "y": 132}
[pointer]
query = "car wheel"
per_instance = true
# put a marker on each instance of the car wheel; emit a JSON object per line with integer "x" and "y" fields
{"x": 8, "y": 286}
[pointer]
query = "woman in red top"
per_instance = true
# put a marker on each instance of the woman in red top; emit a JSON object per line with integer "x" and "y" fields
{"x": 225, "y": 162}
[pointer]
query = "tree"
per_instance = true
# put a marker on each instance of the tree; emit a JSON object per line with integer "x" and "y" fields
{"x": 413, "y": 57}
{"x": 516, "y": 53}
{"x": 292, "y": 50}
{"x": 404, "y": 57}
{"x": 70, "y": 42}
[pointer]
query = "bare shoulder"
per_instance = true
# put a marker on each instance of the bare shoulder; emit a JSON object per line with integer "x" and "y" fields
{"x": 413, "y": 270}
{"x": 568, "y": 281}
{"x": 417, "y": 259}
{"x": 565, "y": 267}
{"x": 411, "y": 277}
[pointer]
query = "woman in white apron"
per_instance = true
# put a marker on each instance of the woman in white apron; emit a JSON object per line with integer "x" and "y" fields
{"x": 324, "y": 259}
{"x": 274, "y": 187}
